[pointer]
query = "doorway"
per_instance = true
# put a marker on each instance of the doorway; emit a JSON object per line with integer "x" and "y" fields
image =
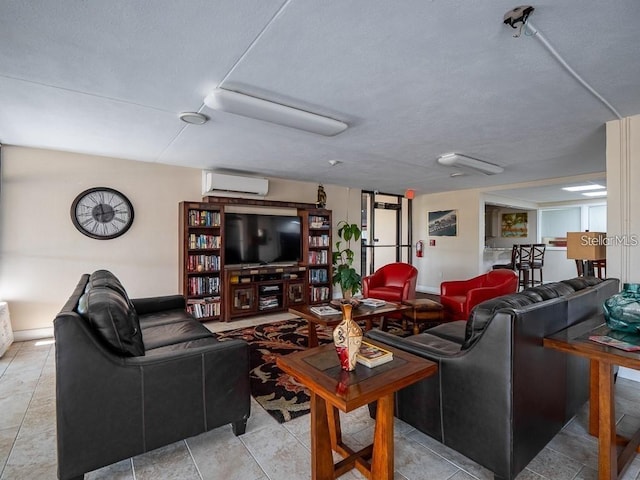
{"x": 386, "y": 230}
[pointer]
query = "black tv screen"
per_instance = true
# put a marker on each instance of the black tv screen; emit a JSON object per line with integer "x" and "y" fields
{"x": 251, "y": 239}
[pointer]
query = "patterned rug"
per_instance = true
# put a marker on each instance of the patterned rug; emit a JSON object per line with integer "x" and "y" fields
{"x": 278, "y": 393}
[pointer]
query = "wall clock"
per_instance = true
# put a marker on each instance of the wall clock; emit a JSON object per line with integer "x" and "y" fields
{"x": 102, "y": 213}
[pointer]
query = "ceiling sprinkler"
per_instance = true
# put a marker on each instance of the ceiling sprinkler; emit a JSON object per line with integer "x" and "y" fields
{"x": 517, "y": 17}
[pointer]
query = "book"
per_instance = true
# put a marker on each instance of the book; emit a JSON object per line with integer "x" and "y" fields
{"x": 614, "y": 342}
{"x": 324, "y": 310}
{"x": 373, "y": 302}
{"x": 371, "y": 355}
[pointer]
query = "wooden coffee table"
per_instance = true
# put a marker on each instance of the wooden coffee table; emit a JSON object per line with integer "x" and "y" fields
{"x": 361, "y": 313}
{"x": 334, "y": 389}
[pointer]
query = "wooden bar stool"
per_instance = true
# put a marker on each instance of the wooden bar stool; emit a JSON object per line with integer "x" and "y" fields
{"x": 536, "y": 262}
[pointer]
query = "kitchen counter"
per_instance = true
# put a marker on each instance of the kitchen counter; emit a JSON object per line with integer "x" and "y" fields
{"x": 495, "y": 255}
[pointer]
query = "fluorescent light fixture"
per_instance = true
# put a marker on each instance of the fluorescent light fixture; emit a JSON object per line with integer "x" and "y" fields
{"x": 583, "y": 188}
{"x": 259, "y": 109}
{"x": 599, "y": 193}
{"x": 459, "y": 160}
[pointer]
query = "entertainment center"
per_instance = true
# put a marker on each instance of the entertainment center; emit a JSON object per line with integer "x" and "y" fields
{"x": 235, "y": 263}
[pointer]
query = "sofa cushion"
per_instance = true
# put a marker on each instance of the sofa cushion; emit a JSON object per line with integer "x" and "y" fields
{"x": 452, "y": 331}
{"x": 108, "y": 312}
{"x": 580, "y": 283}
{"x": 173, "y": 333}
{"x": 482, "y": 314}
{"x": 104, "y": 278}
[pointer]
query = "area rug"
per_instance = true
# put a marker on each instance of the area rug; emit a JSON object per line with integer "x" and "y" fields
{"x": 278, "y": 393}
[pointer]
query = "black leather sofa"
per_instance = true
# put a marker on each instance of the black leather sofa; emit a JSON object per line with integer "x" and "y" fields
{"x": 133, "y": 375}
{"x": 499, "y": 396}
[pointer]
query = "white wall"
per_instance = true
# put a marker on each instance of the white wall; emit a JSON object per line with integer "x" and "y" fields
{"x": 452, "y": 258}
{"x": 42, "y": 255}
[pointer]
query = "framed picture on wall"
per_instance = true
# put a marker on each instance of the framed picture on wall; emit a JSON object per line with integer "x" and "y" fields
{"x": 514, "y": 225}
{"x": 443, "y": 223}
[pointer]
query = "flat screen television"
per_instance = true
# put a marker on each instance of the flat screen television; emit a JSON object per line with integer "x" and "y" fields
{"x": 255, "y": 239}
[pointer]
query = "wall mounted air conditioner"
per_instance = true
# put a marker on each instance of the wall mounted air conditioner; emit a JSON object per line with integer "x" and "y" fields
{"x": 219, "y": 185}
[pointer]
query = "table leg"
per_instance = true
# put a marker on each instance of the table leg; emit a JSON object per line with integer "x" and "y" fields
{"x": 322, "y": 467}
{"x": 607, "y": 452}
{"x": 313, "y": 335}
{"x": 594, "y": 398}
{"x": 382, "y": 460}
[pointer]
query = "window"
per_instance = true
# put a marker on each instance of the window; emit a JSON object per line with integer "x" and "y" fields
{"x": 556, "y": 222}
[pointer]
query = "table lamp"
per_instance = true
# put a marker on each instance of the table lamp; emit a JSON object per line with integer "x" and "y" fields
{"x": 586, "y": 248}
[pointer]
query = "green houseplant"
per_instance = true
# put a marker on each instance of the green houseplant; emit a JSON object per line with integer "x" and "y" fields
{"x": 343, "y": 272}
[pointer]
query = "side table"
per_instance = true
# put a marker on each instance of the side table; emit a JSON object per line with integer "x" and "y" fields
{"x": 333, "y": 389}
{"x": 422, "y": 310}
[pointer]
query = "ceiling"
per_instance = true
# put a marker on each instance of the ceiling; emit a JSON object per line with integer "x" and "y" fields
{"x": 412, "y": 79}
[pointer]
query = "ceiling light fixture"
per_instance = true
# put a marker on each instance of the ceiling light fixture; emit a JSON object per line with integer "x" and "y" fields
{"x": 459, "y": 160}
{"x": 583, "y": 188}
{"x": 333, "y": 163}
{"x": 193, "y": 118}
{"x": 599, "y": 193}
{"x": 259, "y": 109}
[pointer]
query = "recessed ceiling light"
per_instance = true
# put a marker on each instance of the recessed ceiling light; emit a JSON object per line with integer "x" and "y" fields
{"x": 583, "y": 188}
{"x": 599, "y": 193}
{"x": 193, "y": 118}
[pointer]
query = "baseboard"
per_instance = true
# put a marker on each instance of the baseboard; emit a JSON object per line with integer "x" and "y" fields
{"x": 34, "y": 334}
{"x": 425, "y": 289}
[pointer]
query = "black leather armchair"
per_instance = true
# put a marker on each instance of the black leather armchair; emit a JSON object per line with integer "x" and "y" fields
{"x": 113, "y": 404}
{"x": 499, "y": 396}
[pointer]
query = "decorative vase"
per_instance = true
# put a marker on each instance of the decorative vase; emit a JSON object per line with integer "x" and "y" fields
{"x": 347, "y": 338}
{"x": 622, "y": 310}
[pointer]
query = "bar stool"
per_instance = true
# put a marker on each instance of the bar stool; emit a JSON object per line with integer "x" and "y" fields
{"x": 523, "y": 264}
{"x": 512, "y": 264}
{"x": 536, "y": 262}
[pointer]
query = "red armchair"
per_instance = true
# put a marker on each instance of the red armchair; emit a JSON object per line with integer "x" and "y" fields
{"x": 393, "y": 282}
{"x": 459, "y": 297}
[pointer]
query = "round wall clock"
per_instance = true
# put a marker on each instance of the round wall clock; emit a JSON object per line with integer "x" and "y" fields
{"x": 102, "y": 213}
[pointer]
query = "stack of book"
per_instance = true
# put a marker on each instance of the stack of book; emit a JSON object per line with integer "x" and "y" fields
{"x": 371, "y": 355}
{"x": 324, "y": 310}
{"x": 373, "y": 302}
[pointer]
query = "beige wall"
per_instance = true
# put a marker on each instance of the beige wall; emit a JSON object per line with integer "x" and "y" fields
{"x": 452, "y": 258}
{"x": 42, "y": 255}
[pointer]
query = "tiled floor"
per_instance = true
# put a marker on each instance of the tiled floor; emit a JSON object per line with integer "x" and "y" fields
{"x": 267, "y": 450}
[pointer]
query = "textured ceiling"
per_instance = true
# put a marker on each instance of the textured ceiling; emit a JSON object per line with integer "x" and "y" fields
{"x": 412, "y": 79}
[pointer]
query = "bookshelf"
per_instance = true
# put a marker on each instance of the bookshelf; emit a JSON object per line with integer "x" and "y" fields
{"x": 317, "y": 253}
{"x": 216, "y": 292}
{"x": 201, "y": 259}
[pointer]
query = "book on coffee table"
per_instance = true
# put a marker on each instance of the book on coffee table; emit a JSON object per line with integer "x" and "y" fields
{"x": 324, "y": 310}
{"x": 373, "y": 302}
{"x": 371, "y": 355}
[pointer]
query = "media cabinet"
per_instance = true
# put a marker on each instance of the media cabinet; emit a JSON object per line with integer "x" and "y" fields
{"x": 214, "y": 291}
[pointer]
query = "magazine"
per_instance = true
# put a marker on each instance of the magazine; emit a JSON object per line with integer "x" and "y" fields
{"x": 373, "y": 302}
{"x": 613, "y": 342}
{"x": 372, "y": 355}
{"x": 324, "y": 310}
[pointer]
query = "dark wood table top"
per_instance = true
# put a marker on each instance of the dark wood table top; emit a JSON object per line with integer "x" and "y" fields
{"x": 362, "y": 312}
{"x": 319, "y": 369}
{"x": 575, "y": 340}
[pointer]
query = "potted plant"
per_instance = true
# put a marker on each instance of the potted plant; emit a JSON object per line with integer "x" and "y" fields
{"x": 343, "y": 272}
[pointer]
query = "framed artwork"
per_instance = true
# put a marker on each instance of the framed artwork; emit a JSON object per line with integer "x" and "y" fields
{"x": 514, "y": 225}
{"x": 443, "y": 223}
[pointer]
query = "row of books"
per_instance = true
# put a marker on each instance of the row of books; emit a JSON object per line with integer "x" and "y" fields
{"x": 318, "y": 294}
{"x": 318, "y": 257}
{"x": 318, "y": 275}
{"x": 199, "y": 263}
{"x": 204, "y": 241}
{"x": 208, "y": 307}
{"x": 316, "y": 221}
{"x": 319, "y": 240}
{"x": 204, "y": 218}
{"x": 203, "y": 286}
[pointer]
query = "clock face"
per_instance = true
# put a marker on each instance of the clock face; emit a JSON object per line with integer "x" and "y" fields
{"x": 102, "y": 213}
